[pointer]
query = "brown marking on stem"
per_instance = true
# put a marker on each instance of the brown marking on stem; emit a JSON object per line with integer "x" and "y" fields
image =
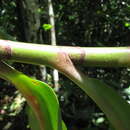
{"x": 6, "y": 51}
{"x": 80, "y": 58}
{"x": 64, "y": 64}
{"x": 82, "y": 55}
{"x": 76, "y": 54}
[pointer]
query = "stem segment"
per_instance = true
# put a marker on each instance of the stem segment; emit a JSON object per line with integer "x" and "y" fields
{"x": 45, "y": 54}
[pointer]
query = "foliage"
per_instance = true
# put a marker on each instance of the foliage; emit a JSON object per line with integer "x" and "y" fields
{"x": 78, "y": 23}
{"x": 46, "y": 27}
{"x": 40, "y": 97}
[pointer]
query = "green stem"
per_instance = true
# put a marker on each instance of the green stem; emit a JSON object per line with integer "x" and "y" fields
{"x": 45, "y": 54}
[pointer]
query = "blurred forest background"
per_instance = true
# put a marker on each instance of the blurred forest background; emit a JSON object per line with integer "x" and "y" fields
{"x": 85, "y": 23}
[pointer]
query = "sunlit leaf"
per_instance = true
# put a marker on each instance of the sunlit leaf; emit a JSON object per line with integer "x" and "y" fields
{"x": 40, "y": 97}
{"x": 127, "y": 24}
{"x": 47, "y": 26}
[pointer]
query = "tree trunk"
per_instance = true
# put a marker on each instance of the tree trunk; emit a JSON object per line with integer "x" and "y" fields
{"x": 53, "y": 42}
{"x": 29, "y": 25}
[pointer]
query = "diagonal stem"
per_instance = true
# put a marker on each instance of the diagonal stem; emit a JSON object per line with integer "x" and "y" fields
{"x": 113, "y": 105}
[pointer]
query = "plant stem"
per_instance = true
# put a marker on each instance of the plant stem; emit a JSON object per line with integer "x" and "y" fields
{"x": 47, "y": 55}
{"x": 113, "y": 105}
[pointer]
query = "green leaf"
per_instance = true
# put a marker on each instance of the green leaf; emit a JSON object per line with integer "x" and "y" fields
{"x": 41, "y": 98}
{"x": 33, "y": 122}
{"x": 127, "y": 24}
{"x": 113, "y": 105}
{"x": 47, "y": 26}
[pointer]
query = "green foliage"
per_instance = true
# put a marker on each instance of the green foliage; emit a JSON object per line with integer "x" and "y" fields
{"x": 5, "y": 35}
{"x": 127, "y": 24}
{"x": 78, "y": 23}
{"x": 47, "y": 27}
{"x": 113, "y": 105}
{"x": 40, "y": 97}
{"x": 33, "y": 122}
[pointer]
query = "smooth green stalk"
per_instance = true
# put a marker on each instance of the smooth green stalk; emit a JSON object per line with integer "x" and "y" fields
{"x": 39, "y": 95}
{"x": 45, "y": 54}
